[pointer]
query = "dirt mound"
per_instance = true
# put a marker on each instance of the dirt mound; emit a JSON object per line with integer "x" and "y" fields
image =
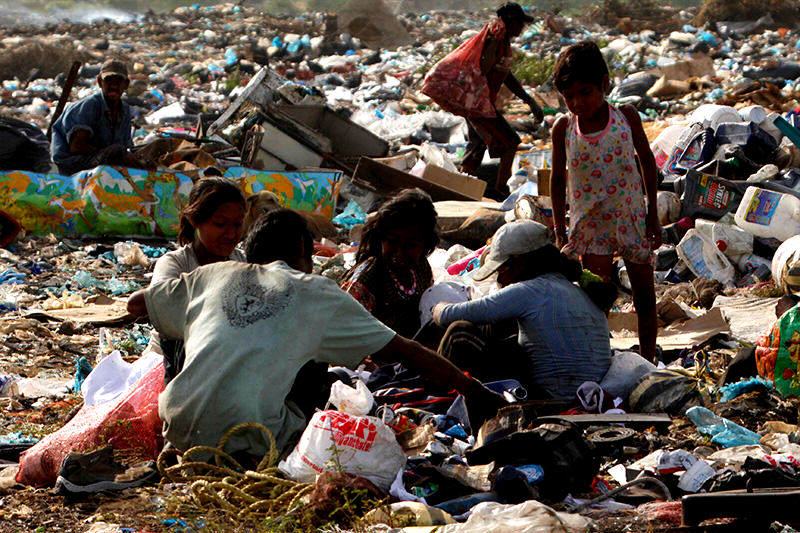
{"x": 718, "y": 10}
{"x": 50, "y": 58}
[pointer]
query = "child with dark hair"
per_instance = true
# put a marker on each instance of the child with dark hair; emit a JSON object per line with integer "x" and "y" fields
{"x": 392, "y": 269}
{"x": 612, "y": 205}
{"x": 209, "y": 228}
{"x": 467, "y": 81}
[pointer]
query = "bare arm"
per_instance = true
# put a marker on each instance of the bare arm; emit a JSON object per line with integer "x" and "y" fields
{"x": 481, "y": 402}
{"x": 558, "y": 180}
{"x": 136, "y": 304}
{"x": 649, "y": 172}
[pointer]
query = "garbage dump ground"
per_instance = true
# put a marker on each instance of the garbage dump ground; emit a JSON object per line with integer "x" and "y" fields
{"x": 324, "y": 114}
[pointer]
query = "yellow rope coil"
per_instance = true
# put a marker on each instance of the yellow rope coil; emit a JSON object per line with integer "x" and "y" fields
{"x": 226, "y": 485}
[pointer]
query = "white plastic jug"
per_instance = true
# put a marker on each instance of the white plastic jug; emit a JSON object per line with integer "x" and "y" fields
{"x": 715, "y": 115}
{"x": 768, "y": 214}
{"x": 704, "y": 259}
{"x": 733, "y": 241}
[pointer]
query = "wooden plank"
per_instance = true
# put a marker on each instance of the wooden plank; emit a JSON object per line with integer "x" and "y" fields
{"x": 613, "y": 418}
{"x": 388, "y": 181}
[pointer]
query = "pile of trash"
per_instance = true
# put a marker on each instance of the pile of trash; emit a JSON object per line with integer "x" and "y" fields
{"x": 264, "y": 100}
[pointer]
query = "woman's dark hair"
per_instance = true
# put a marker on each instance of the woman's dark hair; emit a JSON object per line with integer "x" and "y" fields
{"x": 204, "y": 200}
{"x": 411, "y": 208}
{"x": 549, "y": 259}
{"x": 581, "y": 62}
{"x": 278, "y": 235}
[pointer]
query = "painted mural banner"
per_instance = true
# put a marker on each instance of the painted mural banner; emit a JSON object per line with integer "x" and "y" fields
{"x": 131, "y": 202}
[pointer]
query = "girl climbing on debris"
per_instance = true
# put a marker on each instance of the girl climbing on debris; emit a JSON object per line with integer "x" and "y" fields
{"x": 392, "y": 269}
{"x": 612, "y": 203}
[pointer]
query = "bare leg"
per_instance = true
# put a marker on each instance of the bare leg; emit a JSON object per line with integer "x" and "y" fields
{"x": 644, "y": 299}
{"x": 504, "y": 170}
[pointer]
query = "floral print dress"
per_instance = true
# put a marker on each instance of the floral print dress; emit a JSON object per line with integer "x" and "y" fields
{"x": 608, "y": 213}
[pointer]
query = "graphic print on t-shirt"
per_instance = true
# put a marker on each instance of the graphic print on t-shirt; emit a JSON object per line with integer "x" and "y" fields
{"x": 249, "y": 301}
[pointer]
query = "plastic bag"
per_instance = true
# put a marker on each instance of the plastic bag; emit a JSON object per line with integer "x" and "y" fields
{"x": 528, "y": 516}
{"x": 112, "y": 377}
{"x": 457, "y": 83}
{"x": 130, "y": 425}
{"x": 778, "y": 353}
{"x": 351, "y": 216}
{"x": 724, "y": 432}
{"x": 335, "y": 440}
{"x": 353, "y": 401}
{"x": 129, "y": 253}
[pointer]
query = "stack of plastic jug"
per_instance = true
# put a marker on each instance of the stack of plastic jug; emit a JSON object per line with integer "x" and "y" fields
{"x": 769, "y": 214}
{"x": 704, "y": 258}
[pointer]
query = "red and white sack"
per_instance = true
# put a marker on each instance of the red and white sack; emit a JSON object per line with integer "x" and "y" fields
{"x": 347, "y": 441}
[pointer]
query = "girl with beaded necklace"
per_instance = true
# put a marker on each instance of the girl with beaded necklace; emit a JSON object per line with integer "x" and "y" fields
{"x": 392, "y": 269}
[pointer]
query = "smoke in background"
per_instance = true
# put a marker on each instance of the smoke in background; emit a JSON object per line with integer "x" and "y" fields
{"x": 47, "y": 11}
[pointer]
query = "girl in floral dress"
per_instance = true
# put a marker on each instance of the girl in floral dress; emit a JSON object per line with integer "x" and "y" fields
{"x": 612, "y": 205}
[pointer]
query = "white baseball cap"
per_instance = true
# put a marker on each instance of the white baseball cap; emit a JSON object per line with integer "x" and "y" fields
{"x": 515, "y": 238}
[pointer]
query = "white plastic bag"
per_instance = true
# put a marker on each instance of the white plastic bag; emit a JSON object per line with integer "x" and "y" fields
{"x": 356, "y": 402}
{"x": 341, "y": 441}
{"x": 529, "y": 516}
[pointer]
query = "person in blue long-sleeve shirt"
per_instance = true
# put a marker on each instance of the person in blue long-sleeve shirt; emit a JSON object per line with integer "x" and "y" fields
{"x": 97, "y": 129}
{"x": 563, "y": 330}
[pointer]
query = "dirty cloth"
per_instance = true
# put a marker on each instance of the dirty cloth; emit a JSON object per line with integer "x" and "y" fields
{"x": 90, "y": 114}
{"x": 170, "y": 266}
{"x": 564, "y": 334}
{"x": 605, "y": 192}
{"x": 239, "y": 323}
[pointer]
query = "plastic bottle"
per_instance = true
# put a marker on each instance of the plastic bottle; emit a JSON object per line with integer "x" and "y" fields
{"x": 751, "y": 262}
{"x": 767, "y": 213}
{"x": 731, "y": 240}
{"x": 665, "y": 143}
{"x": 753, "y": 113}
{"x": 704, "y": 259}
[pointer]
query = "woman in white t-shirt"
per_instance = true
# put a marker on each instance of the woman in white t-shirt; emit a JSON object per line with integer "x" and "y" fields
{"x": 210, "y": 228}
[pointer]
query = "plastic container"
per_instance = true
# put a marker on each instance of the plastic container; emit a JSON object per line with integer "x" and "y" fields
{"x": 785, "y": 265}
{"x": 753, "y": 113}
{"x": 704, "y": 259}
{"x": 665, "y": 144}
{"x": 767, "y": 213}
{"x": 751, "y": 262}
{"x": 731, "y": 240}
{"x": 709, "y": 197}
{"x": 715, "y": 114}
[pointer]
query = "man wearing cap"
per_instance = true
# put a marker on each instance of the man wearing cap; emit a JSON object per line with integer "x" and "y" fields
{"x": 467, "y": 81}
{"x": 562, "y": 327}
{"x": 97, "y": 129}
